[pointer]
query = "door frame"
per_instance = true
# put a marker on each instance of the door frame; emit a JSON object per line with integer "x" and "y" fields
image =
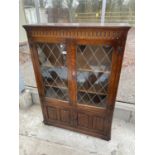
{"x": 114, "y": 63}
{"x": 38, "y": 75}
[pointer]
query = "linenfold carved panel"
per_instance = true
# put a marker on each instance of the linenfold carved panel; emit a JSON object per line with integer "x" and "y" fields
{"x": 52, "y": 113}
{"x": 77, "y": 34}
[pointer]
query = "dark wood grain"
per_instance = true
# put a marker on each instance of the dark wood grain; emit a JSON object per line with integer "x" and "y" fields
{"x": 71, "y": 59}
{"x": 88, "y": 119}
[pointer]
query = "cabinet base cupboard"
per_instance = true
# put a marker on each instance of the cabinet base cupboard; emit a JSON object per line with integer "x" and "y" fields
{"x": 77, "y": 69}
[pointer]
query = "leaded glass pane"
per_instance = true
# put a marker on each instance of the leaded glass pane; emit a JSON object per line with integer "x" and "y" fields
{"x": 52, "y": 59}
{"x": 93, "y": 71}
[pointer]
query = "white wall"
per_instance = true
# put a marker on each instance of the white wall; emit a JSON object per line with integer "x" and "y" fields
{"x": 22, "y": 21}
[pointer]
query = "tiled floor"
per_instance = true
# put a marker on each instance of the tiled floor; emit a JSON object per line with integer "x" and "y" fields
{"x": 39, "y": 139}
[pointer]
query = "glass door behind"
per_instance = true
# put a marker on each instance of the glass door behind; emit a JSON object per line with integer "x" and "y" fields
{"x": 93, "y": 71}
{"x": 52, "y": 59}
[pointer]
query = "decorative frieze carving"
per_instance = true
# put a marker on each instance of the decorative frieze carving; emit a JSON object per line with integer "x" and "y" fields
{"x": 97, "y": 34}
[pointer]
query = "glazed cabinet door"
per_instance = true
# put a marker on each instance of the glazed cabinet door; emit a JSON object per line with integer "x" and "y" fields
{"x": 93, "y": 72}
{"x": 53, "y": 67}
{"x": 93, "y": 64}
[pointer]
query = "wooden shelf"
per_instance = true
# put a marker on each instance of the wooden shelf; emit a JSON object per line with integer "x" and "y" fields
{"x": 51, "y": 66}
{"x": 60, "y": 86}
{"x": 80, "y": 69}
{"x": 84, "y": 69}
{"x": 91, "y": 92}
{"x": 91, "y": 70}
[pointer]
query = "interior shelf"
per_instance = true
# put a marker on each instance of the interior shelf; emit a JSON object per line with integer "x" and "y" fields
{"x": 95, "y": 69}
{"x": 60, "y": 86}
{"x": 52, "y": 65}
{"x": 84, "y": 97}
{"x": 55, "y": 86}
{"x": 91, "y": 92}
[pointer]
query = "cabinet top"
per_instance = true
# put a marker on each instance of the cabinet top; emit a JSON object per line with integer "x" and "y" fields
{"x": 76, "y": 25}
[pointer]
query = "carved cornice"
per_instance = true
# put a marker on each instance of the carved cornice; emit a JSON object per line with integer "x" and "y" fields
{"x": 78, "y": 34}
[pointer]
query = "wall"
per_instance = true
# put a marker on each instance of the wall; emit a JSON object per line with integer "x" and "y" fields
{"x": 22, "y": 21}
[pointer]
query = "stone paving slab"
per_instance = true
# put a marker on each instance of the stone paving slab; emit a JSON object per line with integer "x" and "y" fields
{"x": 39, "y": 139}
{"x": 34, "y": 146}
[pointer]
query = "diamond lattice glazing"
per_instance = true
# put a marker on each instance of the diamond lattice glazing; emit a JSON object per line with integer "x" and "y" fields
{"x": 93, "y": 66}
{"x": 52, "y": 58}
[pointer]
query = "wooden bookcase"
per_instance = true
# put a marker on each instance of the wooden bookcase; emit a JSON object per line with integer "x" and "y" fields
{"x": 77, "y": 69}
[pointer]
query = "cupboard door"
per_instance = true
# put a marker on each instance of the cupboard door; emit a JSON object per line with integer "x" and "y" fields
{"x": 52, "y": 59}
{"x": 59, "y": 115}
{"x": 93, "y": 63}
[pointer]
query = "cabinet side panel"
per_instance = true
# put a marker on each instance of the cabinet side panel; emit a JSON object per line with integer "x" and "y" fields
{"x": 39, "y": 82}
{"x": 117, "y": 60}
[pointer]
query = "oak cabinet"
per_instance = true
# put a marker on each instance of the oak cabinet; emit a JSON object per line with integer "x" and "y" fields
{"x": 77, "y": 69}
